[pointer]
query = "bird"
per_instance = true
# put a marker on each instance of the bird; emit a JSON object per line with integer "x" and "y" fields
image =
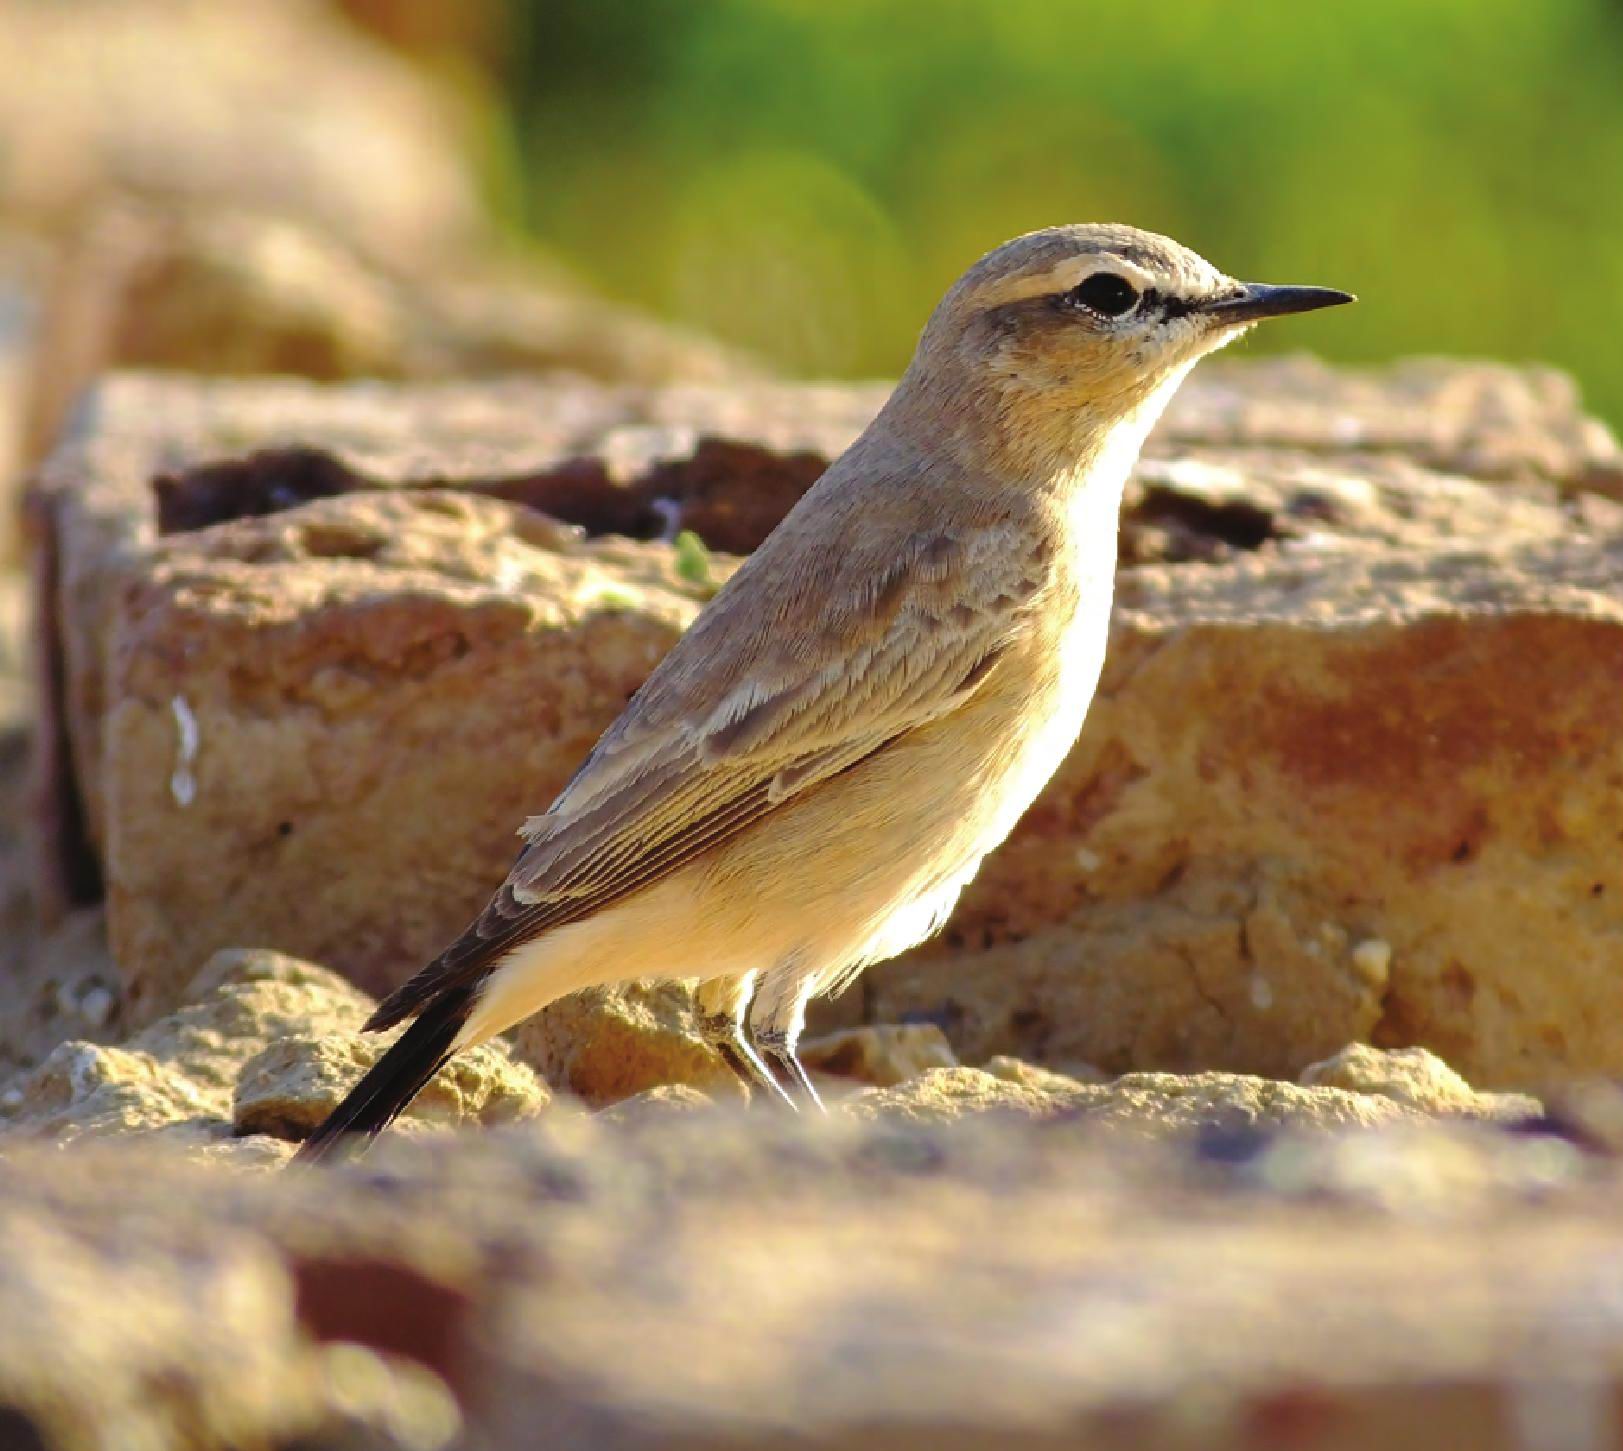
{"x": 809, "y": 778}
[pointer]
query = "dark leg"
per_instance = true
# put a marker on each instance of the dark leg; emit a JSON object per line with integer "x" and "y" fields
{"x": 721, "y": 1002}
{"x": 726, "y": 1035}
{"x": 778, "y": 1048}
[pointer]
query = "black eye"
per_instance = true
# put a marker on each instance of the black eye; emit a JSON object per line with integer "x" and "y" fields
{"x": 1105, "y": 294}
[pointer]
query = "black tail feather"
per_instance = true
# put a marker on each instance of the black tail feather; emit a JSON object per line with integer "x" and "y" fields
{"x": 395, "y": 1079}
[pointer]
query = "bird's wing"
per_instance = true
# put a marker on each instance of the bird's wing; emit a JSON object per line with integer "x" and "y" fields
{"x": 751, "y": 709}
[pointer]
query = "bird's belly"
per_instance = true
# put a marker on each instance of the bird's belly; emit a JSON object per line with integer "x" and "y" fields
{"x": 1031, "y": 734}
{"x": 886, "y": 849}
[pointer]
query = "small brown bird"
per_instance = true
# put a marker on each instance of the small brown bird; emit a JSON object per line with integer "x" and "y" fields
{"x": 810, "y": 777}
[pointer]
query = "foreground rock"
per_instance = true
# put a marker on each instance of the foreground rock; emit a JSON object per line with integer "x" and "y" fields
{"x": 849, "y": 1281}
{"x": 1347, "y": 778}
{"x": 165, "y": 1329}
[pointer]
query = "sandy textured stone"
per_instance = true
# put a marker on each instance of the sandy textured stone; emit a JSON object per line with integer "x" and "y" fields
{"x": 1322, "y": 775}
{"x": 882, "y": 1054}
{"x": 1036, "y": 1076}
{"x": 606, "y": 1044}
{"x": 176, "y": 1078}
{"x": 1414, "y": 1077}
{"x": 265, "y": 1046}
{"x": 56, "y": 984}
{"x": 1167, "y": 1102}
{"x": 657, "y": 1102}
{"x": 1367, "y": 798}
{"x": 288, "y": 1089}
{"x": 22, "y": 268}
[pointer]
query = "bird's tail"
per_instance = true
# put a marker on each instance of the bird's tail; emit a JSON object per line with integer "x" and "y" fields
{"x": 395, "y": 1079}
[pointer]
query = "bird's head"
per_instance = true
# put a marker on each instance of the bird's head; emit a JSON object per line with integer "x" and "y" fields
{"x": 1066, "y": 332}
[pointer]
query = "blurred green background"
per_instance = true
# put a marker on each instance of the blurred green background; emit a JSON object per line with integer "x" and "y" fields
{"x": 806, "y": 176}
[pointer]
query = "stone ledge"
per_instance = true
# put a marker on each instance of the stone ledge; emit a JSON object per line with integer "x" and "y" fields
{"x": 299, "y": 632}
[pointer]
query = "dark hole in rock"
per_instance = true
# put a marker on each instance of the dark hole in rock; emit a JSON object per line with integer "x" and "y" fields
{"x": 1166, "y": 526}
{"x": 731, "y": 494}
{"x": 265, "y": 482}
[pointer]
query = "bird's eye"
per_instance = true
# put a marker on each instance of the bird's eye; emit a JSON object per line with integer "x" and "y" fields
{"x": 1105, "y": 294}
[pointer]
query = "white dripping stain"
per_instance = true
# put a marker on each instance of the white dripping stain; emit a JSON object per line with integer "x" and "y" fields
{"x": 1262, "y": 993}
{"x": 182, "y": 783}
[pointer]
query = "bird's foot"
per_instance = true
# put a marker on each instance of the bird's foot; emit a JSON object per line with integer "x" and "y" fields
{"x": 726, "y": 1035}
{"x": 779, "y": 1051}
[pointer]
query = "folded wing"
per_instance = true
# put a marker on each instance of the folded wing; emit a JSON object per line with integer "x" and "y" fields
{"x": 751, "y": 709}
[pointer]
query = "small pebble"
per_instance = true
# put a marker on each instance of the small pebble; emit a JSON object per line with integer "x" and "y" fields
{"x": 1373, "y": 958}
{"x": 96, "y": 1007}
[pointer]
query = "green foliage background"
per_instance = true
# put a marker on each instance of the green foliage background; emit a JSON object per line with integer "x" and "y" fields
{"x": 806, "y": 176}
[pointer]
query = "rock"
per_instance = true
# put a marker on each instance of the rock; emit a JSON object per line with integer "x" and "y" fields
{"x": 1154, "y": 1103}
{"x": 265, "y": 1046}
{"x": 1414, "y": 1077}
{"x": 608, "y": 1044}
{"x": 47, "y": 979}
{"x": 385, "y": 611}
{"x": 1479, "y": 420}
{"x": 667, "y": 1098}
{"x": 1366, "y": 798}
{"x": 238, "y": 292}
{"x": 1313, "y": 804}
{"x": 288, "y": 1089}
{"x": 883, "y": 1054}
{"x": 22, "y": 268}
{"x": 197, "y": 103}
{"x": 1357, "y": 1088}
{"x": 1043, "y": 1080}
{"x": 176, "y": 1078}
{"x": 151, "y": 1330}
{"x": 914, "y": 1302}
{"x": 855, "y": 1279}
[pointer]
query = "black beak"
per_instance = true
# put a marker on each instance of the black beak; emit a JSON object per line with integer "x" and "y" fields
{"x": 1257, "y": 300}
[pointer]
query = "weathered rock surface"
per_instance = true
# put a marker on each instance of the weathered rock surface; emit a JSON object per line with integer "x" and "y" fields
{"x": 264, "y": 1047}
{"x": 712, "y": 1278}
{"x": 881, "y": 1054}
{"x": 606, "y": 1044}
{"x": 1413, "y": 1077}
{"x": 1371, "y": 797}
{"x": 1360, "y": 1088}
{"x": 289, "y": 1088}
{"x": 1345, "y": 781}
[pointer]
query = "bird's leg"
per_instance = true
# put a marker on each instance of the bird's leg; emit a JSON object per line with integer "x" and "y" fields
{"x": 776, "y": 1021}
{"x": 721, "y": 1003}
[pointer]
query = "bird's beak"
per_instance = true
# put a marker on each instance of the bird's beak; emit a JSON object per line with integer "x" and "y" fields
{"x": 1257, "y": 300}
